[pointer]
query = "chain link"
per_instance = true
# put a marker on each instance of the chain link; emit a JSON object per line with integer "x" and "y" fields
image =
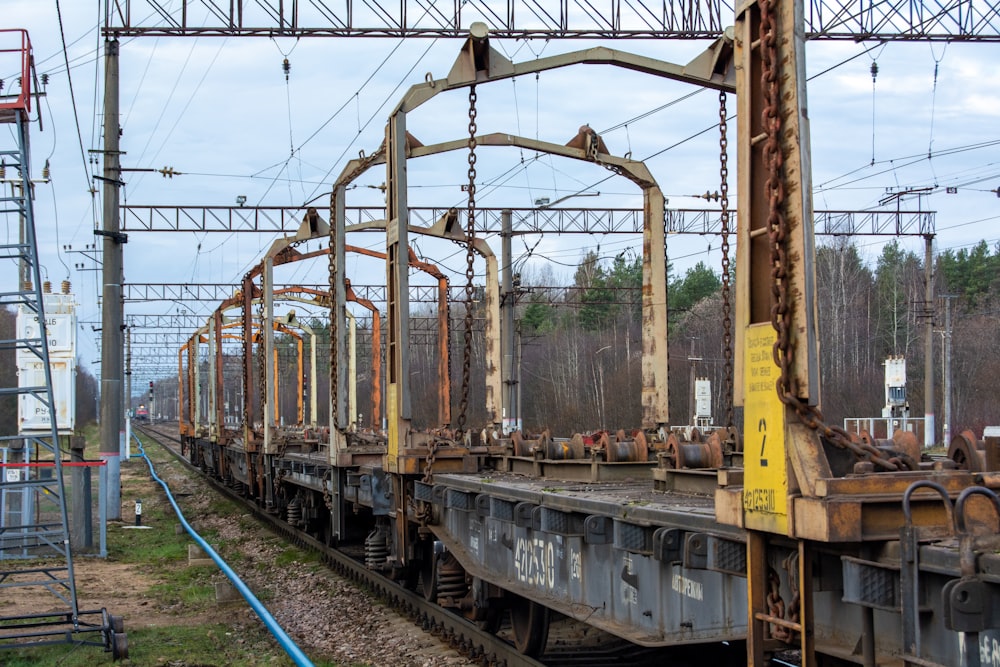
{"x": 470, "y": 235}
{"x": 334, "y": 319}
{"x": 778, "y": 234}
{"x": 776, "y": 606}
{"x": 262, "y": 360}
{"x": 727, "y": 321}
{"x": 791, "y": 565}
{"x": 243, "y": 355}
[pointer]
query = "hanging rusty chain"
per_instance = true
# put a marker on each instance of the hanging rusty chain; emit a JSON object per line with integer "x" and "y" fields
{"x": 791, "y": 565}
{"x": 262, "y": 359}
{"x": 727, "y": 321}
{"x": 334, "y": 318}
{"x": 470, "y": 236}
{"x": 779, "y": 232}
{"x": 776, "y": 606}
{"x": 243, "y": 353}
{"x": 447, "y": 314}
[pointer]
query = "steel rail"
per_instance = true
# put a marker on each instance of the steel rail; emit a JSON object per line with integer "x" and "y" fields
{"x": 461, "y": 634}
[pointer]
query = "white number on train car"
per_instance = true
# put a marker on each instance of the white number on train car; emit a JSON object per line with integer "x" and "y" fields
{"x": 989, "y": 651}
{"x": 575, "y": 564}
{"x": 535, "y": 562}
{"x": 630, "y": 594}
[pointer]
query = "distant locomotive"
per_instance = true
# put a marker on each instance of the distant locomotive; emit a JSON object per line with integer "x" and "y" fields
{"x": 142, "y": 414}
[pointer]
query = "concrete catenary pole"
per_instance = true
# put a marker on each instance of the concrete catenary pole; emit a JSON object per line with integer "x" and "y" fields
{"x": 112, "y": 425}
{"x": 929, "y": 341}
{"x": 946, "y": 426}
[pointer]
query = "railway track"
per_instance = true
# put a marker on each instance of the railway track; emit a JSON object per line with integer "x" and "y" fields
{"x": 570, "y": 644}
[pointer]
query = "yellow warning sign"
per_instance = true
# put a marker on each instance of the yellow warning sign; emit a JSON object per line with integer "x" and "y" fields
{"x": 765, "y": 477}
{"x": 393, "y": 448}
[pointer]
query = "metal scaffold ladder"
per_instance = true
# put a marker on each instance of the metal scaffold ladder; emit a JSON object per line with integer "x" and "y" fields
{"x": 35, "y": 553}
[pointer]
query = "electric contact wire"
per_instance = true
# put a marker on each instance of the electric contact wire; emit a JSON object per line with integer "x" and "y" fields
{"x": 94, "y": 55}
{"x": 389, "y": 97}
{"x": 52, "y": 188}
{"x": 165, "y": 107}
{"x": 716, "y": 125}
{"x": 284, "y": 163}
{"x": 187, "y": 104}
{"x": 912, "y": 160}
{"x": 72, "y": 97}
{"x": 930, "y": 140}
{"x": 96, "y": 128}
{"x": 356, "y": 94}
{"x": 142, "y": 81}
{"x": 329, "y": 171}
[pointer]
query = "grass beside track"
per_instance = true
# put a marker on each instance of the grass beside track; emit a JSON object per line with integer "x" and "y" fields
{"x": 214, "y": 645}
{"x": 173, "y": 589}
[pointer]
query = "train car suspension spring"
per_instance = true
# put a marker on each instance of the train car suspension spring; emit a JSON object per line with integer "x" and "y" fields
{"x": 294, "y": 512}
{"x": 451, "y": 581}
{"x": 377, "y": 548}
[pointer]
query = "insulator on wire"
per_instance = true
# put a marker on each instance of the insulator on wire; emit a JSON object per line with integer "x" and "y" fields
{"x": 3, "y": 170}
{"x": 46, "y": 171}
{"x": 286, "y": 67}
{"x": 45, "y": 79}
{"x": 874, "y": 70}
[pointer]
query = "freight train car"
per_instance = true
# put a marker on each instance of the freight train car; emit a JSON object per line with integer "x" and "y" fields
{"x": 787, "y": 534}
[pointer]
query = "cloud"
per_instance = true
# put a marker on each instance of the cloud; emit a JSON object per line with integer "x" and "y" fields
{"x": 220, "y": 111}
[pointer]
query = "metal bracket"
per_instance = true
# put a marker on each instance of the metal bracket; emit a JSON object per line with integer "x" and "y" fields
{"x": 970, "y": 605}
{"x": 114, "y": 181}
{"x": 118, "y": 237}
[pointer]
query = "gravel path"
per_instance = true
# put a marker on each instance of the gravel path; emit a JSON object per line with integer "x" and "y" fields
{"x": 325, "y": 614}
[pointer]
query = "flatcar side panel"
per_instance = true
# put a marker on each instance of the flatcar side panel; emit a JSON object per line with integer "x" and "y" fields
{"x": 596, "y": 567}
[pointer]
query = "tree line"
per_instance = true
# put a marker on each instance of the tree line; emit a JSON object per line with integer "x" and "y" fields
{"x": 580, "y": 358}
{"x": 580, "y": 355}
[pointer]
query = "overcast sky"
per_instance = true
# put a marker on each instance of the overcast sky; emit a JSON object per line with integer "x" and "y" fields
{"x": 220, "y": 111}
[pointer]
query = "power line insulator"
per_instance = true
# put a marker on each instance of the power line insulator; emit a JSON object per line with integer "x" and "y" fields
{"x": 286, "y": 67}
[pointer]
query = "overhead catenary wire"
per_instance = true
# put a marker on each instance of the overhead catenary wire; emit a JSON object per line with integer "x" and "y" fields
{"x": 187, "y": 105}
{"x": 72, "y": 95}
{"x": 359, "y": 126}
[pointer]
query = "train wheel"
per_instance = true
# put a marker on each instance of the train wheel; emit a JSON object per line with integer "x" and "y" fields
{"x": 529, "y": 622}
{"x": 409, "y": 576}
{"x": 484, "y": 610}
{"x": 491, "y": 623}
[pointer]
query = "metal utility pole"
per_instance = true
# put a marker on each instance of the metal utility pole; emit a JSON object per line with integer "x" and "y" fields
{"x": 112, "y": 424}
{"x": 929, "y": 341}
{"x": 128, "y": 370}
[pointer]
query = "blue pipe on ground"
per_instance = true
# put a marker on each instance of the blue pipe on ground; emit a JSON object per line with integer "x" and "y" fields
{"x": 289, "y": 646}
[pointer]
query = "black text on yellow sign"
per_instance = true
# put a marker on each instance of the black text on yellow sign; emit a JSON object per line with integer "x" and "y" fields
{"x": 765, "y": 479}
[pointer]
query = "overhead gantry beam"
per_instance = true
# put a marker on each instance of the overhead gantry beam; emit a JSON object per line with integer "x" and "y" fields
{"x": 975, "y": 20}
{"x": 488, "y": 220}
